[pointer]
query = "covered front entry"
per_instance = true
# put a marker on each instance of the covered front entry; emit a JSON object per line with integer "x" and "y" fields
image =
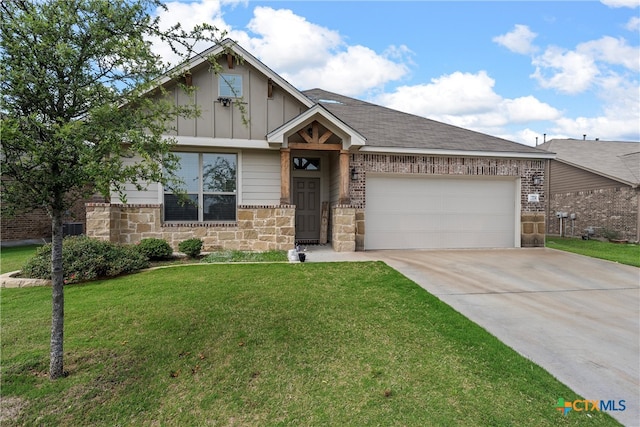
{"x": 306, "y": 197}
{"x": 418, "y": 212}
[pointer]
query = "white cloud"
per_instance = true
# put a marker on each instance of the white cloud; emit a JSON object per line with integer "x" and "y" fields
{"x": 621, "y": 3}
{"x": 350, "y": 72}
{"x": 519, "y": 40}
{"x": 306, "y": 54}
{"x": 633, "y": 24}
{"x": 570, "y": 71}
{"x": 288, "y": 41}
{"x": 188, "y": 15}
{"x": 457, "y": 93}
{"x": 619, "y": 119}
{"x": 527, "y": 109}
{"x": 309, "y": 56}
{"x": 612, "y": 51}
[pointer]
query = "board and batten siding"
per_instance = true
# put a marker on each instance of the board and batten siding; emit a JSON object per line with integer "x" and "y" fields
{"x": 260, "y": 178}
{"x": 564, "y": 178}
{"x": 263, "y": 113}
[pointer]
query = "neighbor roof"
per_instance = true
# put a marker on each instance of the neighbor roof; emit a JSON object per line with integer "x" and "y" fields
{"x": 612, "y": 159}
{"x": 385, "y": 128}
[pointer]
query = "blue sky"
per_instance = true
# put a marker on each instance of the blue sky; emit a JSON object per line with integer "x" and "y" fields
{"x": 512, "y": 69}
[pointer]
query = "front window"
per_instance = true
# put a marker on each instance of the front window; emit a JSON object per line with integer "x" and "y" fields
{"x": 210, "y": 183}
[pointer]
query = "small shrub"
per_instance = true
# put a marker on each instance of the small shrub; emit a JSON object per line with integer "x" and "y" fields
{"x": 610, "y": 234}
{"x": 84, "y": 258}
{"x": 191, "y": 247}
{"x": 154, "y": 249}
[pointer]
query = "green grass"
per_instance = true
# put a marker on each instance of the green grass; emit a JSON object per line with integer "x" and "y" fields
{"x": 268, "y": 344}
{"x": 244, "y": 256}
{"x": 13, "y": 258}
{"x": 622, "y": 253}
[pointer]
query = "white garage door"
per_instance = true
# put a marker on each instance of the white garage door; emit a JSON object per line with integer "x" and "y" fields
{"x": 408, "y": 212}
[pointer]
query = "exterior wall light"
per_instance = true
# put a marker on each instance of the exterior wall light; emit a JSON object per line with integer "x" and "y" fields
{"x": 354, "y": 174}
{"x": 224, "y": 101}
{"x": 537, "y": 180}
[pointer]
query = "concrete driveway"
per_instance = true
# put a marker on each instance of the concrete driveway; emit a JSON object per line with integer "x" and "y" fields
{"x": 575, "y": 316}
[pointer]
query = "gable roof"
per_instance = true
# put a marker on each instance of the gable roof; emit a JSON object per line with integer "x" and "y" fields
{"x": 349, "y": 136}
{"x": 612, "y": 159}
{"x": 388, "y": 130}
{"x": 229, "y": 44}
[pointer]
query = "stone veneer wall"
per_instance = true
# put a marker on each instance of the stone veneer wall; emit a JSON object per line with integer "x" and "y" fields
{"x": 607, "y": 208}
{"x": 258, "y": 228}
{"x": 343, "y": 229}
{"x": 532, "y": 214}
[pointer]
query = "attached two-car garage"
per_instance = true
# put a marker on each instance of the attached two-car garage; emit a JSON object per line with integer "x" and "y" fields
{"x": 429, "y": 212}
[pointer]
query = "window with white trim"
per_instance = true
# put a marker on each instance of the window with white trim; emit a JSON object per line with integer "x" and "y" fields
{"x": 229, "y": 85}
{"x": 210, "y": 183}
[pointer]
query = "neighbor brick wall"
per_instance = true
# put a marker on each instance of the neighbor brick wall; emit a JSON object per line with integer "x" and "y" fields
{"x": 258, "y": 228}
{"x": 532, "y": 215}
{"x": 36, "y": 225}
{"x": 607, "y": 208}
{"x": 33, "y": 225}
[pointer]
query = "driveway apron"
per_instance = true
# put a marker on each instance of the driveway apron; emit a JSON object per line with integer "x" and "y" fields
{"x": 577, "y": 317}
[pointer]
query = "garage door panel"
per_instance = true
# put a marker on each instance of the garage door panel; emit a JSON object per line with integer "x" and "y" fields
{"x": 436, "y": 212}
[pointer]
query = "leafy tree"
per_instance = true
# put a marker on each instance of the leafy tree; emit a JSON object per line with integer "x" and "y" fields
{"x": 79, "y": 94}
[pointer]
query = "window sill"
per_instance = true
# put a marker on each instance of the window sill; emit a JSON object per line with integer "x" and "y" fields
{"x": 200, "y": 224}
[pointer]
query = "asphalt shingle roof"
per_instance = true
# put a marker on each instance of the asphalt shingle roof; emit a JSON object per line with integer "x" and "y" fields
{"x": 384, "y": 127}
{"x": 613, "y": 159}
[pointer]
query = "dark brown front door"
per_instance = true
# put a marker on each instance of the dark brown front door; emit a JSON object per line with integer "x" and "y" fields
{"x": 306, "y": 196}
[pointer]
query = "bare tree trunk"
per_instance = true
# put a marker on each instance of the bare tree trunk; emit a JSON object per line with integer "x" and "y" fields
{"x": 56, "y": 369}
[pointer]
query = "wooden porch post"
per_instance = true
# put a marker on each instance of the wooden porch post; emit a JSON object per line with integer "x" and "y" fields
{"x": 285, "y": 176}
{"x": 344, "y": 198}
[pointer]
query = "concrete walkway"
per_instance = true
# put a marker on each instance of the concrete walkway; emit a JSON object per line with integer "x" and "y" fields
{"x": 577, "y": 317}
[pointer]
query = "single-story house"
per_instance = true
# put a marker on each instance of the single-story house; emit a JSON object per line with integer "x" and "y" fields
{"x": 317, "y": 167}
{"x": 595, "y": 186}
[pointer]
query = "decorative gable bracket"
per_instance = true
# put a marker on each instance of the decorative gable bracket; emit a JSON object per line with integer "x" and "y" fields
{"x": 307, "y": 126}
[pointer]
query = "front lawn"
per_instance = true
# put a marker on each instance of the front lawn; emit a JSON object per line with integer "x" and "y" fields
{"x": 13, "y": 258}
{"x": 618, "y": 252}
{"x": 271, "y": 344}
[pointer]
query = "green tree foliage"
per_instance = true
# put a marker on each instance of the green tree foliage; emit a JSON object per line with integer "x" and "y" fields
{"x": 80, "y": 94}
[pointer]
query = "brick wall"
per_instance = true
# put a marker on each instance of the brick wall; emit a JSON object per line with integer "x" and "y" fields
{"x": 259, "y": 228}
{"x": 36, "y": 225}
{"x": 532, "y": 215}
{"x": 608, "y": 208}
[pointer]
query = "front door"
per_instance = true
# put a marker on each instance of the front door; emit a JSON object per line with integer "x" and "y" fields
{"x": 306, "y": 196}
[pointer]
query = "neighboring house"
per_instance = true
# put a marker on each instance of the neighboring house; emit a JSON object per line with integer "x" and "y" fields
{"x": 315, "y": 166}
{"x": 35, "y": 226}
{"x": 596, "y": 185}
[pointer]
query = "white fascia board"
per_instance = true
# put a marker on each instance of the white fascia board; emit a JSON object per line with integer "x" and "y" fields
{"x": 194, "y": 141}
{"x": 434, "y": 152}
{"x": 346, "y": 133}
